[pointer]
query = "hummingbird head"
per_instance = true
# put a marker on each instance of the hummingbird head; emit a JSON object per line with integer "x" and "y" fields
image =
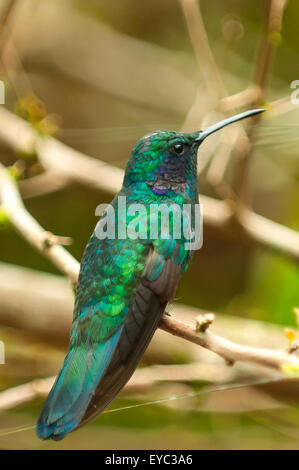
{"x": 167, "y": 160}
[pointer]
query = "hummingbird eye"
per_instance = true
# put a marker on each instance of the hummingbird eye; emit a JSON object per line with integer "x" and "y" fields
{"x": 178, "y": 149}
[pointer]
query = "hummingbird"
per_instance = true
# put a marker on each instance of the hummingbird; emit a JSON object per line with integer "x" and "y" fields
{"x": 126, "y": 282}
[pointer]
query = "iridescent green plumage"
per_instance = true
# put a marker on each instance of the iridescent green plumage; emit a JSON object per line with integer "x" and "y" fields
{"x": 125, "y": 283}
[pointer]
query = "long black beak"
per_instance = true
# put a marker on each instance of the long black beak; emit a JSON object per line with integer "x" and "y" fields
{"x": 215, "y": 127}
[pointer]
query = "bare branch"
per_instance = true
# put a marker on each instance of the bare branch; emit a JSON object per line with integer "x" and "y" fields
{"x": 219, "y": 164}
{"x": 143, "y": 378}
{"x": 45, "y": 183}
{"x": 273, "y": 18}
{"x": 273, "y": 15}
{"x": 36, "y": 291}
{"x": 269, "y": 233}
{"x": 55, "y": 321}
{"x": 25, "y": 393}
{"x": 230, "y": 351}
{"x": 5, "y": 19}
{"x": 202, "y": 49}
{"x": 243, "y": 99}
{"x": 281, "y": 106}
{"x": 30, "y": 229}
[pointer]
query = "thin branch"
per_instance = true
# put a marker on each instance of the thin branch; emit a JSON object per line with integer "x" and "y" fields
{"x": 36, "y": 289}
{"x": 217, "y": 93}
{"x": 230, "y": 140}
{"x": 25, "y": 393}
{"x": 201, "y": 46}
{"x": 243, "y": 99}
{"x": 30, "y": 229}
{"x": 45, "y": 183}
{"x": 55, "y": 156}
{"x": 230, "y": 351}
{"x": 281, "y": 106}
{"x": 5, "y": 19}
{"x": 206, "y": 64}
{"x": 273, "y": 22}
{"x": 268, "y": 233}
{"x": 273, "y": 15}
{"x": 143, "y": 378}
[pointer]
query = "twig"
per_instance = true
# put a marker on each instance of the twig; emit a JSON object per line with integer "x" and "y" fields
{"x": 217, "y": 92}
{"x": 281, "y": 106}
{"x": 216, "y": 172}
{"x": 45, "y": 183}
{"x": 268, "y": 233}
{"x": 30, "y": 229}
{"x": 25, "y": 393}
{"x": 36, "y": 289}
{"x": 230, "y": 351}
{"x": 243, "y": 99}
{"x": 273, "y": 15}
{"x": 55, "y": 156}
{"x": 200, "y": 42}
{"x": 5, "y": 17}
{"x": 143, "y": 378}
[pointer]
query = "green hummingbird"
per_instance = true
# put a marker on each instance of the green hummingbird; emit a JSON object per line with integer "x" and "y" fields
{"x": 126, "y": 280}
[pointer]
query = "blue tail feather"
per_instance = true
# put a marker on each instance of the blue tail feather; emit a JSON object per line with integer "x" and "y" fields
{"x": 75, "y": 384}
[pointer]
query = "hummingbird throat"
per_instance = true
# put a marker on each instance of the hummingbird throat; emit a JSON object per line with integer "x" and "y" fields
{"x": 171, "y": 176}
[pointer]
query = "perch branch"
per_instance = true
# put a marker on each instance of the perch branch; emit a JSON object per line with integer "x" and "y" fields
{"x": 148, "y": 376}
{"x": 229, "y": 350}
{"x": 36, "y": 289}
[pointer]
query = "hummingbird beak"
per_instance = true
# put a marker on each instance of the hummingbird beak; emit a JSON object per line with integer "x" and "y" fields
{"x": 215, "y": 127}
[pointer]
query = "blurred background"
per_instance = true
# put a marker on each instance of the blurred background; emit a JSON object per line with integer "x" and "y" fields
{"x": 97, "y": 76}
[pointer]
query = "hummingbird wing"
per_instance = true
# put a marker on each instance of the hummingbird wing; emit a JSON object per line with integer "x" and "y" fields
{"x": 107, "y": 283}
{"x": 165, "y": 263}
{"x": 123, "y": 289}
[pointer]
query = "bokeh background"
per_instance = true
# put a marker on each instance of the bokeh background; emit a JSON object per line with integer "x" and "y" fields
{"x": 99, "y": 75}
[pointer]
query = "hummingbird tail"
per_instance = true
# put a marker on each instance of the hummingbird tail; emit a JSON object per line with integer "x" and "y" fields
{"x": 139, "y": 327}
{"x": 74, "y": 386}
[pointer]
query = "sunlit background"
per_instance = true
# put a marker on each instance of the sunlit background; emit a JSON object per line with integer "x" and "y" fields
{"x": 98, "y": 75}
